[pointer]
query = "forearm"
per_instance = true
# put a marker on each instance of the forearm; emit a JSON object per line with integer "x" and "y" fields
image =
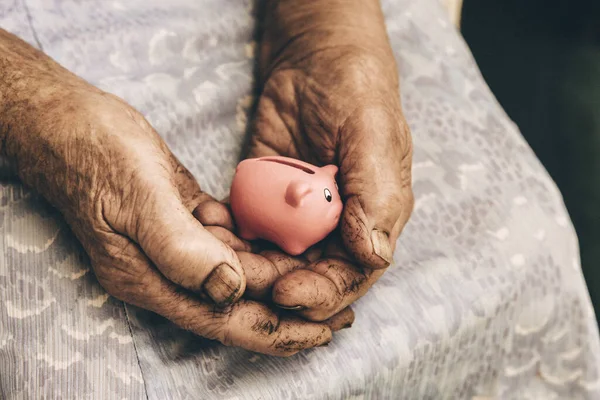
{"x": 39, "y": 127}
{"x": 315, "y": 25}
{"x": 30, "y": 83}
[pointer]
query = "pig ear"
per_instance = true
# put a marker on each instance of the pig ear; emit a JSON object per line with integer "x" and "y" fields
{"x": 296, "y": 192}
{"x": 330, "y": 169}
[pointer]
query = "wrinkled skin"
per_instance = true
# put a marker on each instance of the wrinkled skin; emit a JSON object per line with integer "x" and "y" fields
{"x": 153, "y": 237}
{"x": 332, "y": 98}
{"x": 155, "y": 240}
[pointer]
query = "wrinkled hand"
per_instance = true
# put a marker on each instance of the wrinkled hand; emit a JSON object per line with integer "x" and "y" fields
{"x": 154, "y": 238}
{"x": 331, "y": 95}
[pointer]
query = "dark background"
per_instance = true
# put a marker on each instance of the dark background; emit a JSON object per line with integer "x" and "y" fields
{"x": 542, "y": 61}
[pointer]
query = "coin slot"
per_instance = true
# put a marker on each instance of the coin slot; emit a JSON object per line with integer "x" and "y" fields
{"x": 289, "y": 164}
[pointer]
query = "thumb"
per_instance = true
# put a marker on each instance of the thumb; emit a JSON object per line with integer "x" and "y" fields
{"x": 185, "y": 252}
{"x": 375, "y": 174}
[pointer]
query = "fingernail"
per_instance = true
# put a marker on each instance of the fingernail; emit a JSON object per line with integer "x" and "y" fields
{"x": 293, "y": 308}
{"x": 223, "y": 285}
{"x": 381, "y": 245}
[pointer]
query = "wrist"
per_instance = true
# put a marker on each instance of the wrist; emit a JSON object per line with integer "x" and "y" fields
{"x": 293, "y": 30}
{"x": 26, "y": 115}
{"x": 32, "y": 89}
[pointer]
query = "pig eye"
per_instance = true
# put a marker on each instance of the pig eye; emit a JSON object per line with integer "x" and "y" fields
{"x": 328, "y": 196}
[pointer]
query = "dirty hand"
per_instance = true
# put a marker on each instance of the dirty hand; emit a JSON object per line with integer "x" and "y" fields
{"x": 330, "y": 95}
{"x": 154, "y": 238}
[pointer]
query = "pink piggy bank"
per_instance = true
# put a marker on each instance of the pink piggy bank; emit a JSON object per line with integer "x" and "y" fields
{"x": 285, "y": 201}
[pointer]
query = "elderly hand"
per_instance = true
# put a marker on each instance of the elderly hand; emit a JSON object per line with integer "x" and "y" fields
{"x": 331, "y": 95}
{"x": 154, "y": 238}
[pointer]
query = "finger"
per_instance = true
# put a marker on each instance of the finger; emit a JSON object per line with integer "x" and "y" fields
{"x": 254, "y": 326}
{"x": 299, "y": 291}
{"x": 375, "y": 176}
{"x": 206, "y": 209}
{"x": 187, "y": 185}
{"x": 334, "y": 248}
{"x": 262, "y": 270}
{"x": 314, "y": 252}
{"x": 229, "y": 238}
{"x": 178, "y": 244}
{"x": 323, "y": 288}
{"x": 223, "y": 284}
{"x": 342, "y": 320}
{"x": 129, "y": 276}
{"x": 212, "y": 212}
